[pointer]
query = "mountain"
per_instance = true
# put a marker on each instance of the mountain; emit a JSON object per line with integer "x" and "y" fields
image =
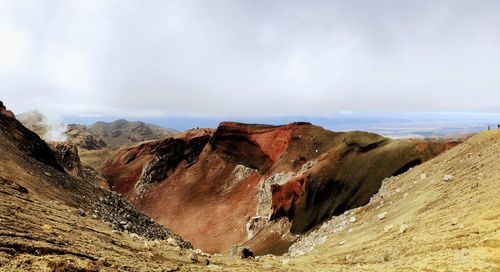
{"x": 243, "y": 182}
{"x": 28, "y": 165}
{"x": 436, "y": 215}
{"x": 122, "y": 132}
{"x": 97, "y": 136}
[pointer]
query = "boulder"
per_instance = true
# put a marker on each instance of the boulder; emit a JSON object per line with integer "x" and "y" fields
{"x": 67, "y": 156}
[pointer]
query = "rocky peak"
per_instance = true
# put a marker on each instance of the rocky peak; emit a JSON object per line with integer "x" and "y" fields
{"x": 67, "y": 156}
{"x": 4, "y": 111}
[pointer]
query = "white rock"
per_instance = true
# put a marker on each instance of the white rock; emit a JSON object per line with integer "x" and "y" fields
{"x": 341, "y": 243}
{"x": 423, "y": 176}
{"x": 447, "y": 177}
{"x": 381, "y": 216}
{"x": 193, "y": 257}
{"x": 171, "y": 241}
{"x": 352, "y": 219}
{"x": 403, "y": 228}
{"x": 388, "y": 228}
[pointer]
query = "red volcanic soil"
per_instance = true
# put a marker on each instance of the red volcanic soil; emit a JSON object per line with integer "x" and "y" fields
{"x": 207, "y": 185}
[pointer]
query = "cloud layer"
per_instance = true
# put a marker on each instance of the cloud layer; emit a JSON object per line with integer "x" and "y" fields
{"x": 248, "y": 58}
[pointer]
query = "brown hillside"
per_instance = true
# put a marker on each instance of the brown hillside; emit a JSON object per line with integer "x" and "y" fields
{"x": 28, "y": 162}
{"x": 224, "y": 187}
{"x": 438, "y": 216}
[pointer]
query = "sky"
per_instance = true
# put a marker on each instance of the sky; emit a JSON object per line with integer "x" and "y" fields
{"x": 233, "y": 59}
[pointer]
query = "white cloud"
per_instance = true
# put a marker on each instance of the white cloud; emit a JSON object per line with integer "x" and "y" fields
{"x": 236, "y": 58}
{"x": 14, "y": 49}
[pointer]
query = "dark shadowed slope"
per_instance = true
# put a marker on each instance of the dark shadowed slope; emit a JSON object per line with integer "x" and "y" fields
{"x": 28, "y": 162}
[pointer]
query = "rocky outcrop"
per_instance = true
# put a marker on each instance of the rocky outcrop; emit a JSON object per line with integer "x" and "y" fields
{"x": 4, "y": 111}
{"x": 80, "y": 136}
{"x": 167, "y": 155}
{"x": 258, "y": 182}
{"x": 122, "y": 132}
{"x": 28, "y": 142}
{"x": 67, "y": 156}
{"x": 286, "y": 197}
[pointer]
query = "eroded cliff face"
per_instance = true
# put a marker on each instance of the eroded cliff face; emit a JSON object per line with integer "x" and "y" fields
{"x": 27, "y": 141}
{"x": 67, "y": 156}
{"x": 253, "y": 184}
{"x": 346, "y": 176}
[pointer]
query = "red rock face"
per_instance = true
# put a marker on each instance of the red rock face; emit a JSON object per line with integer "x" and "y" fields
{"x": 206, "y": 186}
{"x": 257, "y": 146}
{"x": 285, "y": 197}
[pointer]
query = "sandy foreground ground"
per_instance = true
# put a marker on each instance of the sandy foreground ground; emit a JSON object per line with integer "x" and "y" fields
{"x": 443, "y": 215}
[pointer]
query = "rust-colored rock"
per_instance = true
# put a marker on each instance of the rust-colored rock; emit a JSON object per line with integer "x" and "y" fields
{"x": 347, "y": 175}
{"x": 207, "y": 185}
{"x": 285, "y": 197}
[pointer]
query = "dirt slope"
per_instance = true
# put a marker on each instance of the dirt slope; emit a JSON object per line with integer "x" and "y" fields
{"x": 41, "y": 235}
{"x": 28, "y": 162}
{"x": 437, "y": 225}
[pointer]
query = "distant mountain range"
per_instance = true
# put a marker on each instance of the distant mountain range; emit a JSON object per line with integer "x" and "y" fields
{"x": 98, "y": 135}
{"x": 390, "y": 124}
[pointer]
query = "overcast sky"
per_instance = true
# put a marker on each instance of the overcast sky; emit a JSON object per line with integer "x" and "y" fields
{"x": 248, "y": 58}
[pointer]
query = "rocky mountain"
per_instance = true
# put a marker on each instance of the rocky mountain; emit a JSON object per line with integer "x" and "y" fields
{"x": 293, "y": 189}
{"x": 67, "y": 156}
{"x": 97, "y": 136}
{"x": 122, "y": 132}
{"x": 81, "y": 136}
{"x": 28, "y": 164}
{"x": 257, "y": 184}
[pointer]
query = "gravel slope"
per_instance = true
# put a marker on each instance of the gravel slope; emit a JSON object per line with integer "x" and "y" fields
{"x": 447, "y": 226}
